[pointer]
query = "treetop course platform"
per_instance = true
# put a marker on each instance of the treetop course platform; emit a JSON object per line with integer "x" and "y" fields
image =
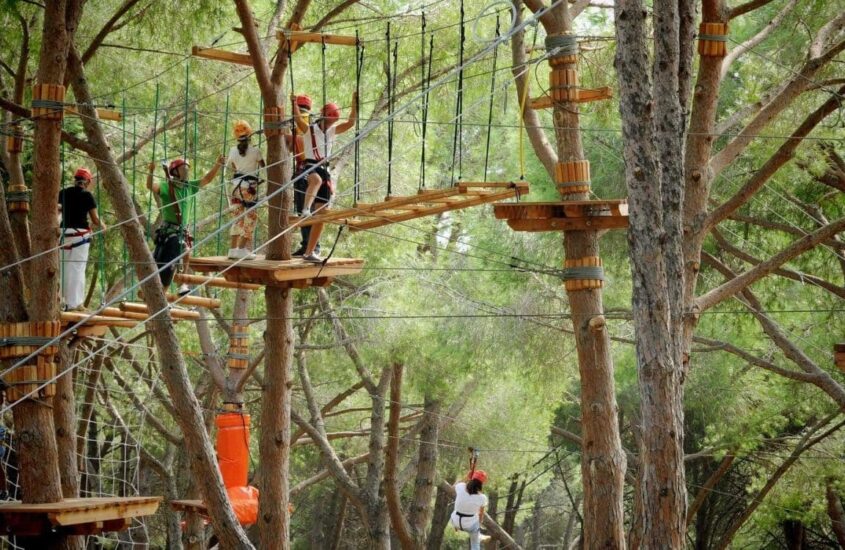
{"x": 590, "y": 215}
{"x": 295, "y": 273}
{"x": 75, "y": 516}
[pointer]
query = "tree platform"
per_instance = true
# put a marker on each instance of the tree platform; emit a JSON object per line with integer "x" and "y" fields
{"x": 75, "y": 516}
{"x": 189, "y": 506}
{"x": 295, "y": 273}
{"x": 396, "y": 209}
{"x": 564, "y": 215}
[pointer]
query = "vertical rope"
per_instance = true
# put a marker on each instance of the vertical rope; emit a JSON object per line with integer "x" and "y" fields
{"x": 457, "y": 138}
{"x": 134, "y": 178}
{"x": 490, "y": 108}
{"x": 185, "y": 120}
{"x": 421, "y": 184}
{"x": 325, "y": 85}
{"x": 426, "y": 85}
{"x": 124, "y": 267}
{"x": 155, "y": 135}
{"x": 359, "y": 67}
{"x": 222, "y": 177}
{"x": 389, "y": 71}
{"x": 194, "y": 197}
{"x": 101, "y": 247}
{"x": 521, "y": 115}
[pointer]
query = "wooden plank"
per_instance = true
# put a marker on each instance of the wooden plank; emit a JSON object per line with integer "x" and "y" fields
{"x": 569, "y": 224}
{"x": 199, "y": 301}
{"x": 335, "y": 216}
{"x": 522, "y": 186}
{"x": 217, "y": 282}
{"x": 217, "y": 54}
{"x": 132, "y": 310}
{"x": 279, "y": 273}
{"x": 475, "y": 201}
{"x": 73, "y": 317}
{"x": 196, "y": 506}
{"x": 560, "y": 209}
{"x": 90, "y": 332}
{"x": 102, "y": 114}
{"x": 296, "y": 36}
{"x": 585, "y": 95}
{"x": 75, "y": 515}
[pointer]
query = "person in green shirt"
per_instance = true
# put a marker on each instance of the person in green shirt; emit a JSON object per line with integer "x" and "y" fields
{"x": 176, "y": 194}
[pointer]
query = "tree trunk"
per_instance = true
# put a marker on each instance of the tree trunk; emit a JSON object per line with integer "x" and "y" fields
{"x": 836, "y": 514}
{"x": 401, "y": 527}
{"x": 174, "y": 372}
{"x": 794, "y": 534}
{"x": 439, "y": 519}
{"x": 336, "y": 536}
{"x": 419, "y": 515}
{"x": 40, "y": 478}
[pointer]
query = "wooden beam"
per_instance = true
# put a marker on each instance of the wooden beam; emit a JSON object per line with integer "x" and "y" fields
{"x": 75, "y": 515}
{"x": 585, "y": 95}
{"x": 217, "y": 54}
{"x": 199, "y": 301}
{"x": 569, "y": 224}
{"x": 73, "y": 317}
{"x": 218, "y": 282}
{"x": 102, "y": 114}
{"x": 315, "y": 37}
{"x": 294, "y": 273}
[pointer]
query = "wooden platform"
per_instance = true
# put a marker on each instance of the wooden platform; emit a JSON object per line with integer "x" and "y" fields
{"x": 294, "y": 273}
{"x": 425, "y": 203}
{"x": 75, "y": 516}
{"x": 564, "y": 215}
{"x": 189, "y": 506}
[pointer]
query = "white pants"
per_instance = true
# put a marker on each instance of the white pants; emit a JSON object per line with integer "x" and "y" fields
{"x": 471, "y": 526}
{"x": 73, "y": 267}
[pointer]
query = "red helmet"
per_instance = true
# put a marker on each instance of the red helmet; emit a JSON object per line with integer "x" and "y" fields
{"x": 84, "y": 174}
{"x": 331, "y": 111}
{"x": 175, "y": 164}
{"x": 480, "y": 475}
{"x": 303, "y": 101}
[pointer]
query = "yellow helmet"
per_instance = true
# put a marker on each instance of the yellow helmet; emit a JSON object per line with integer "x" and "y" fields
{"x": 242, "y": 129}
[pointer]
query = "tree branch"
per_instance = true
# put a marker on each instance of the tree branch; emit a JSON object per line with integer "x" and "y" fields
{"x": 739, "y": 50}
{"x": 740, "y": 282}
{"x": 747, "y": 7}
{"x": 107, "y": 29}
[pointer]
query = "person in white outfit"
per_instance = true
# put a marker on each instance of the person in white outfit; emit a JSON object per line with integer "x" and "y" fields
{"x": 76, "y": 205}
{"x": 244, "y": 162}
{"x": 469, "y": 507}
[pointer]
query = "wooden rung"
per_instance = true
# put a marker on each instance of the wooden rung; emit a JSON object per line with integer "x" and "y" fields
{"x": 315, "y": 37}
{"x": 102, "y": 114}
{"x": 73, "y": 317}
{"x": 585, "y": 95}
{"x": 74, "y": 515}
{"x": 117, "y": 312}
{"x": 217, "y": 54}
{"x": 520, "y": 185}
{"x": 198, "y": 301}
{"x": 217, "y": 282}
{"x": 132, "y": 310}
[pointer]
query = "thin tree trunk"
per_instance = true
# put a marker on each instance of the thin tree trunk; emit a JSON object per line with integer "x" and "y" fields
{"x": 439, "y": 519}
{"x": 836, "y": 514}
{"x": 419, "y": 515}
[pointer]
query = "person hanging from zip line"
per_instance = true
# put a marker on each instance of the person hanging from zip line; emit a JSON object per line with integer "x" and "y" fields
{"x": 176, "y": 194}
{"x": 318, "y": 139}
{"x": 244, "y": 162}
{"x": 76, "y": 205}
{"x": 469, "y": 507}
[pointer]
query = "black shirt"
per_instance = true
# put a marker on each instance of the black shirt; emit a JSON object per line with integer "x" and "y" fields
{"x": 76, "y": 202}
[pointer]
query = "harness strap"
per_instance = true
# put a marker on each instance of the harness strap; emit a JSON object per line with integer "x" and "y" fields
{"x": 314, "y": 149}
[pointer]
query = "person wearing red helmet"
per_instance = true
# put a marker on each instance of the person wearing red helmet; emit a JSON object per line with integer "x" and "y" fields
{"x": 76, "y": 205}
{"x": 318, "y": 139}
{"x": 176, "y": 196}
{"x": 301, "y": 105}
{"x": 469, "y": 507}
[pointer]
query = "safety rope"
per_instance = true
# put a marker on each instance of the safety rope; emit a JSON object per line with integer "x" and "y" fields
{"x": 155, "y": 135}
{"x": 134, "y": 181}
{"x": 423, "y": 83}
{"x": 390, "y": 69}
{"x": 101, "y": 261}
{"x": 185, "y": 109}
{"x": 521, "y": 115}
{"x": 457, "y": 138}
{"x": 359, "y": 67}
{"x": 222, "y": 178}
{"x": 490, "y": 109}
{"x": 584, "y": 272}
{"x": 125, "y": 269}
{"x": 325, "y": 96}
{"x": 425, "y": 110}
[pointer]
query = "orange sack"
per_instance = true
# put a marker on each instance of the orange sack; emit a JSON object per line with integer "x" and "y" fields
{"x": 233, "y": 448}
{"x": 244, "y": 502}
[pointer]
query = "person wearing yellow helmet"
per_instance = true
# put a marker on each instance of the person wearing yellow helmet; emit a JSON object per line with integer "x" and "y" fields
{"x": 244, "y": 162}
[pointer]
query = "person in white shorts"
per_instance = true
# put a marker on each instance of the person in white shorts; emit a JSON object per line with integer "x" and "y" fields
{"x": 76, "y": 205}
{"x": 469, "y": 507}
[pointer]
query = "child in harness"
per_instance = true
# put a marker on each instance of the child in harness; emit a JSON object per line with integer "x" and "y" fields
{"x": 244, "y": 162}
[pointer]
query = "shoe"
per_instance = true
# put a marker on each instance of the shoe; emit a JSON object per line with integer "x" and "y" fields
{"x": 306, "y": 213}
{"x": 236, "y": 253}
{"x": 313, "y": 258}
{"x": 484, "y": 538}
{"x": 184, "y": 290}
{"x": 247, "y": 254}
{"x": 299, "y": 251}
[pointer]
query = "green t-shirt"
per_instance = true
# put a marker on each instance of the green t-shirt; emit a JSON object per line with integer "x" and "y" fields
{"x": 184, "y": 194}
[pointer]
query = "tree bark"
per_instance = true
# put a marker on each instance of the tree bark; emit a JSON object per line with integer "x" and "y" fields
{"x": 420, "y": 513}
{"x": 401, "y": 527}
{"x": 439, "y": 519}
{"x": 836, "y": 514}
